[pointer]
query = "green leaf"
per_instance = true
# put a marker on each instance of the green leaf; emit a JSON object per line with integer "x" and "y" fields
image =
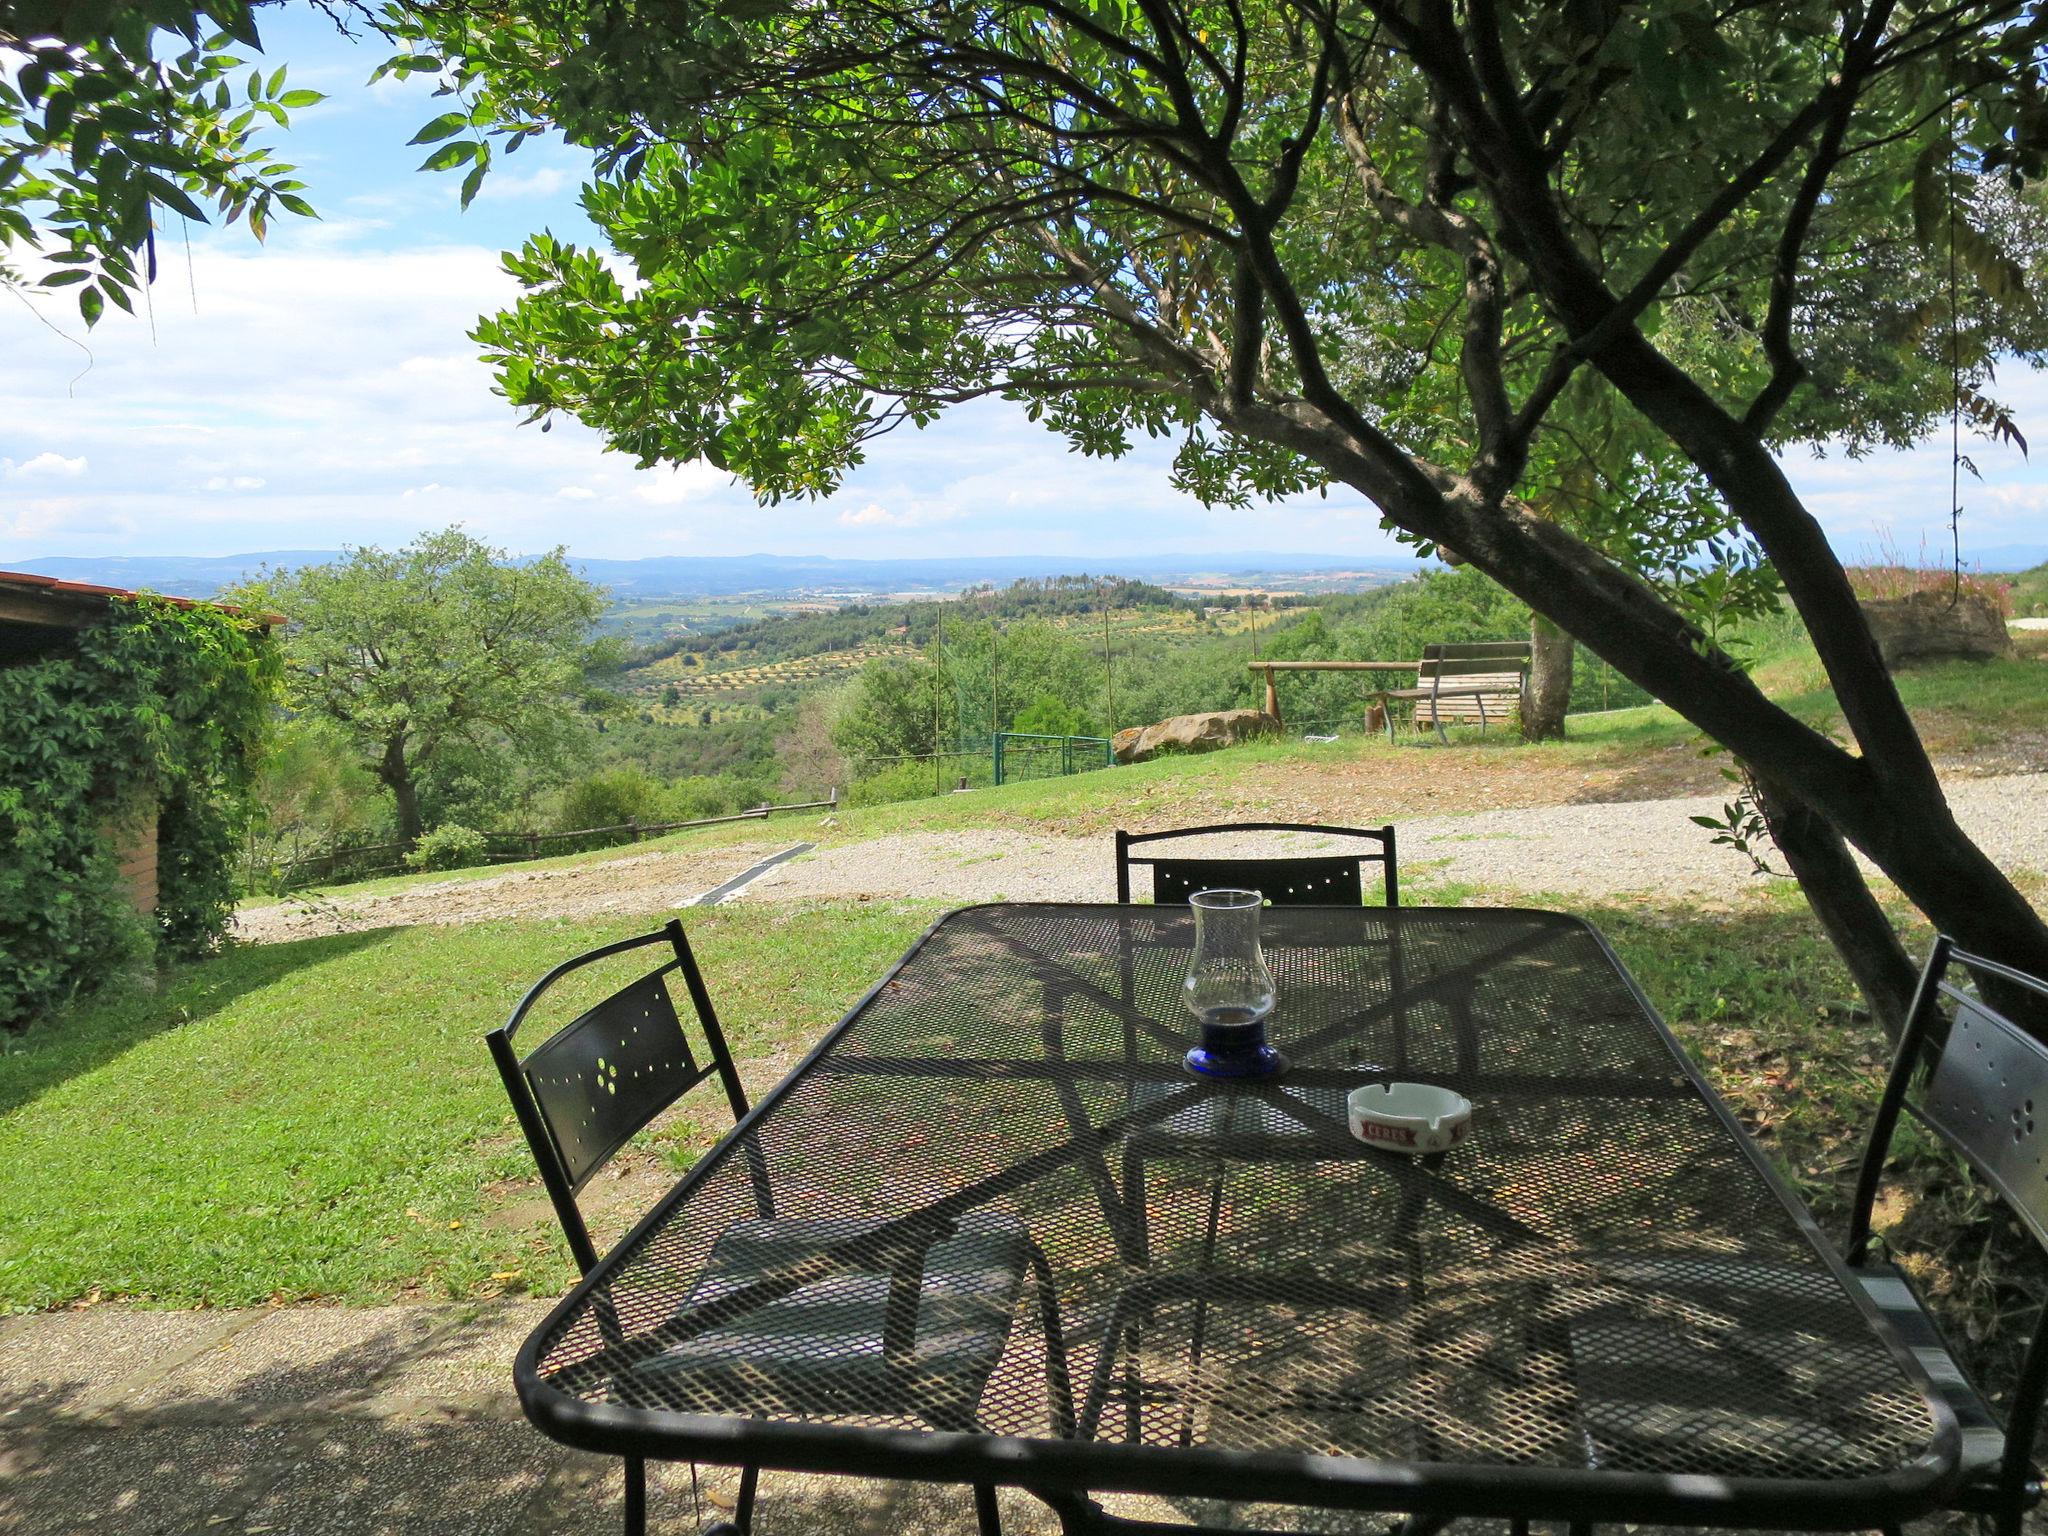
{"x": 297, "y": 204}
{"x": 173, "y": 196}
{"x": 448, "y": 156}
{"x": 91, "y": 305}
{"x": 63, "y": 279}
{"x": 276, "y": 80}
{"x": 445, "y": 126}
{"x": 472, "y": 182}
{"x": 301, "y": 98}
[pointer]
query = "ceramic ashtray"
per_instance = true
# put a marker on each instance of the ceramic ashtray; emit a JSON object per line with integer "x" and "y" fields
{"x": 1409, "y": 1117}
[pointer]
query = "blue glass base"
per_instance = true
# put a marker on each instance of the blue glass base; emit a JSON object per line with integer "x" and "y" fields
{"x": 1259, "y": 1060}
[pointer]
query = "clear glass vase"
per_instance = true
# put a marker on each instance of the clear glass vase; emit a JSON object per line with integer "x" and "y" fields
{"x": 1229, "y": 990}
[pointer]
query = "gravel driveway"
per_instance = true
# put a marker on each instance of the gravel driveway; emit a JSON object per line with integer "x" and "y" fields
{"x": 1645, "y": 848}
{"x": 1648, "y": 847}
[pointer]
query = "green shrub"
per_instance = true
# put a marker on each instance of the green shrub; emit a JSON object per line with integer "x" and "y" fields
{"x": 450, "y": 846}
{"x": 607, "y": 799}
{"x": 157, "y": 705}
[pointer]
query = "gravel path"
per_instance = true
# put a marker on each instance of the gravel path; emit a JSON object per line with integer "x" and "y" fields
{"x": 646, "y": 882}
{"x": 1647, "y": 847}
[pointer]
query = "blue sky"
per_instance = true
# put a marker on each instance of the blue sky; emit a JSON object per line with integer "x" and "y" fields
{"x": 321, "y": 391}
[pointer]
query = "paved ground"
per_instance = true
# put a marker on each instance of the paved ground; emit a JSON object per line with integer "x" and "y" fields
{"x": 395, "y": 1421}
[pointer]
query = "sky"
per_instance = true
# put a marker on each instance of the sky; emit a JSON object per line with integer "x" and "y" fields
{"x": 321, "y": 391}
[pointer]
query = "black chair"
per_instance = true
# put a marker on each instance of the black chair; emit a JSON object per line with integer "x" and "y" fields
{"x": 1978, "y": 1082}
{"x": 844, "y": 1339}
{"x": 1975, "y": 1080}
{"x": 1316, "y": 880}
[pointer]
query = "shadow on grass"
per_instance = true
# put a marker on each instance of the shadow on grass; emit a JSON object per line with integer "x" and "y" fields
{"x": 123, "y": 1015}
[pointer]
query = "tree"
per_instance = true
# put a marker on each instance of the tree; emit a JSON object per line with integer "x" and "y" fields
{"x": 112, "y": 115}
{"x": 438, "y": 655}
{"x": 1391, "y": 245}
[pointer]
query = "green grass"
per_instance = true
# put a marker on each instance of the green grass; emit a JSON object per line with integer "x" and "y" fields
{"x": 320, "y": 1118}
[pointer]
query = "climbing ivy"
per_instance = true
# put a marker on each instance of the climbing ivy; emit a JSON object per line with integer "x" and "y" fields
{"x": 157, "y": 706}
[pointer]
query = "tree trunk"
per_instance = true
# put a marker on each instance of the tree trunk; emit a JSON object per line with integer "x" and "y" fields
{"x": 1549, "y": 693}
{"x": 1842, "y": 901}
{"x": 396, "y": 774}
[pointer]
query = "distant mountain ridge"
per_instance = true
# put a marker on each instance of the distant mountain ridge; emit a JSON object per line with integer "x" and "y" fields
{"x": 725, "y": 575}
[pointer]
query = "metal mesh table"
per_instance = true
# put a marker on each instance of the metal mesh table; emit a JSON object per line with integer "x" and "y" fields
{"x": 1602, "y": 1306}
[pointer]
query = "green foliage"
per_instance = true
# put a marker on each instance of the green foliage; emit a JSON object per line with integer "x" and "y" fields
{"x": 157, "y": 709}
{"x": 1049, "y": 716}
{"x": 450, "y": 846}
{"x": 112, "y": 117}
{"x": 310, "y": 795}
{"x": 2030, "y": 593}
{"x": 460, "y": 680}
{"x": 607, "y": 799}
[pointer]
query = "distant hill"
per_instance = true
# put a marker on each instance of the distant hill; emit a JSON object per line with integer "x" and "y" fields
{"x": 727, "y": 575}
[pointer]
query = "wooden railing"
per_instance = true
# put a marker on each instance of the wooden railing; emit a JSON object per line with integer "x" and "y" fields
{"x": 1273, "y": 691}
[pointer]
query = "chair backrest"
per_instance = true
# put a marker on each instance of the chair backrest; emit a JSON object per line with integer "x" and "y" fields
{"x": 1308, "y": 880}
{"x": 586, "y": 1090}
{"x": 1980, "y": 1083}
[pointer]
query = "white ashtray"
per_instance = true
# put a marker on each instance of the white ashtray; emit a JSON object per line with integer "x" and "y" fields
{"x": 1409, "y": 1117}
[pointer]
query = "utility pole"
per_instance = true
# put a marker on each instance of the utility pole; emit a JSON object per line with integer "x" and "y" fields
{"x": 1108, "y": 669}
{"x": 938, "y": 694}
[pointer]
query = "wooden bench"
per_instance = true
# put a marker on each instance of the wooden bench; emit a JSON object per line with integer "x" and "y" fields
{"x": 1479, "y": 682}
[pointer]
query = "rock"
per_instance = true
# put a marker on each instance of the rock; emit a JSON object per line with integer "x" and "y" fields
{"x": 1927, "y": 626}
{"x": 1125, "y": 742}
{"x": 1194, "y": 733}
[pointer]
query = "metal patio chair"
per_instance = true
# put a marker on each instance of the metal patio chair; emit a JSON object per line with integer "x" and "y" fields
{"x": 1312, "y": 880}
{"x": 1978, "y": 1082}
{"x": 924, "y": 1323}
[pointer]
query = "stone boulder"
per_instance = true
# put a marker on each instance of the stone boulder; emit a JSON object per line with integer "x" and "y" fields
{"x": 1193, "y": 733}
{"x": 1927, "y": 626}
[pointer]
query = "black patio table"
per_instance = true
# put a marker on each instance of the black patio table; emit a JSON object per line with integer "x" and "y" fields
{"x": 1603, "y": 1306}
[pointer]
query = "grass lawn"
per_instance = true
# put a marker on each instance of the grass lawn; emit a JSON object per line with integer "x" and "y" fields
{"x": 319, "y": 1119}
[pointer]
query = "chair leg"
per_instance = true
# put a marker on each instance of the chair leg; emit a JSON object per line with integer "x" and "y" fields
{"x": 743, "y": 1506}
{"x": 636, "y": 1496}
{"x": 988, "y": 1520}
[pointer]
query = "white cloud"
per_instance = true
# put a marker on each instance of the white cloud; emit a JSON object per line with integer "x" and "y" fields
{"x": 236, "y": 483}
{"x": 44, "y": 465}
{"x": 686, "y": 482}
{"x": 875, "y": 515}
{"x": 542, "y": 181}
{"x": 575, "y": 493}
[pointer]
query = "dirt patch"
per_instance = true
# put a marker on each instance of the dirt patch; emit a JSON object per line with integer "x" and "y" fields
{"x": 646, "y": 882}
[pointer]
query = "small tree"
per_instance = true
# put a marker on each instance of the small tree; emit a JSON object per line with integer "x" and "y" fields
{"x": 439, "y": 653}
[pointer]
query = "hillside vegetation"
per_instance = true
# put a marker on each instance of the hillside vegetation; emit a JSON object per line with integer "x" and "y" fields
{"x": 891, "y": 702}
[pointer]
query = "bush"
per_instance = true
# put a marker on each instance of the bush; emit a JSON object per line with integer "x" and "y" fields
{"x": 450, "y": 846}
{"x": 701, "y": 796}
{"x": 608, "y": 799}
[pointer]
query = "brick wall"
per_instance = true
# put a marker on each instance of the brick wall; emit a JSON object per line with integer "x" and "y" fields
{"x": 134, "y": 842}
